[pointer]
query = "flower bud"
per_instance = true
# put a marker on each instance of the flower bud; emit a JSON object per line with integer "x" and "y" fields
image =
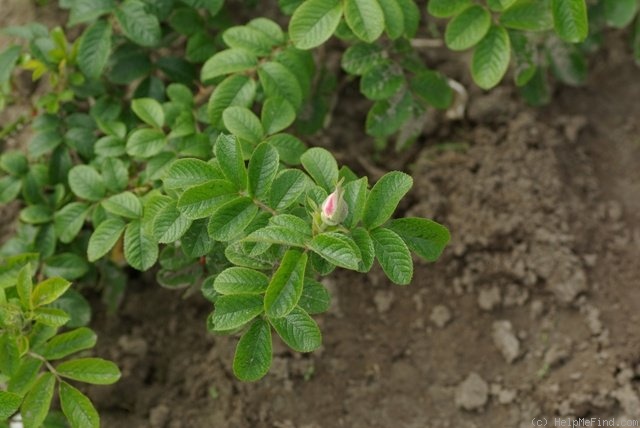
{"x": 334, "y": 209}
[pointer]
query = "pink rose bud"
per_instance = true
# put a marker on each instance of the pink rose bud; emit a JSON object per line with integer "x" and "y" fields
{"x": 334, "y": 208}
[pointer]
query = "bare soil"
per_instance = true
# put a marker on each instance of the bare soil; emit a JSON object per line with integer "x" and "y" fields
{"x": 532, "y": 312}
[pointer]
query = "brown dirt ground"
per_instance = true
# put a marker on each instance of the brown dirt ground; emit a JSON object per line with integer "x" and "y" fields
{"x": 538, "y": 294}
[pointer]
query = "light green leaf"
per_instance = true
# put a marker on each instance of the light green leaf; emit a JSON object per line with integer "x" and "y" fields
{"x": 90, "y": 370}
{"x": 124, "y": 204}
{"x": 285, "y": 288}
{"x": 170, "y": 224}
{"x": 315, "y": 298}
{"x": 137, "y": 24}
{"x": 337, "y": 249}
{"x": 425, "y": 237}
{"x": 620, "y": 13}
{"x": 95, "y": 48}
{"x": 9, "y": 188}
{"x": 13, "y": 162}
{"x": 185, "y": 173}
{"x": 360, "y": 57}
{"x": 88, "y": 10}
{"x": 570, "y": 19}
{"x": 393, "y": 255}
{"x": 365, "y": 18}
{"x": 49, "y": 290}
{"x": 528, "y": 15}
{"x": 36, "y": 214}
{"x": 248, "y": 39}
{"x": 9, "y": 404}
{"x": 51, "y": 317}
{"x": 227, "y": 62}
{"x": 235, "y": 310}
{"x": 35, "y": 406}
{"x": 491, "y": 58}
{"x": 149, "y": 111}
{"x": 24, "y": 285}
{"x": 289, "y": 148}
{"x": 86, "y": 183}
{"x": 231, "y": 219}
{"x": 287, "y": 188}
{"x": 499, "y": 5}
{"x": 203, "y": 200}
{"x": 393, "y": 18}
{"x": 298, "y": 330}
{"x": 140, "y": 249}
{"x": 279, "y": 81}
{"x": 269, "y": 29}
{"x": 277, "y": 114}
{"x": 433, "y": 88}
{"x": 76, "y": 306}
{"x": 467, "y": 29}
{"x": 229, "y": 154}
{"x": 69, "y": 343}
{"x": 263, "y": 168}
{"x": 384, "y": 198}
{"x": 314, "y": 22}
{"x": 447, "y": 8}
{"x": 27, "y": 373}
{"x": 69, "y": 266}
{"x": 278, "y": 235}
{"x": 254, "y": 352}
{"x": 9, "y": 354}
{"x": 104, "y": 238}
{"x": 145, "y": 142}
{"x": 114, "y": 174}
{"x": 243, "y": 123}
{"x": 78, "y": 408}
{"x": 235, "y": 90}
{"x": 322, "y": 167}
{"x": 240, "y": 280}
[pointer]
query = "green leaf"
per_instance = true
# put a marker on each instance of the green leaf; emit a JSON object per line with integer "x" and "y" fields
{"x": 243, "y": 123}
{"x": 110, "y": 146}
{"x": 76, "y": 306}
{"x": 525, "y": 57}
{"x": 90, "y": 370}
{"x": 360, "y": 57}
{"x": 140, "y": 250}
{"x": 365, "y": 244}
{"x": 384, "y": 198}
{"x": 499, "y": 5}
{"x": 104, "y": 238}
{"x": 203, "y": 200}
{"x": 227, "y": 62}
{"x": 14, "y": 162}
{"x": 69, "y": 220}
{"x": 393, "y": 255}
{"x": 278, "y": 235}
{"x": 69, "y": 343}
{"x": 170, "y": 224}
{"x": 9, "y": 404}
{"x": 314, "y": 22}
{"x": 248, "y": 39}
{"x": 315, "y": 298}
{"x": 491, "y": 58}
{"x": 51, "y": 317}
{"x": 78, "y": 408}
{"x": 447, "y": 8}
{"x": 185, "y": 173}
{"x": 69, "y": 266}
{"x": 298, "y": 330}
{"x": 382, "y": 81}
{"x": 145, "y": 142}
{"x": 278, "y": 81}
{"x": 88, "y": 10}
{"x": 235, "y": 90}
{"x": 149, "y": 111}
{"x": 137, "y": 24}
{"x": 268, "y": 28}
{"x": 35, "y": 406}
{"x": 86, "y": 183}
{"x": 337, "y": 249}
{"x": 231, "y": 219}
{"x": 393, "y": 18}
{"x": 568, "y": 63}
{"x": 124, "y": 204}
{"x": 387, "y": 116}
{"x": 187, "y": 21}
{"x": 365, "y": 18}
{"x": 263, "y": 168}
{"x": 9, "y": 355}
{"x": 277, "y": 114}
{"x": 433, "y": 87}
{"x": 36, "y": 214}
{"x": 235, "y": 310}
{"x": 44, "y": 142}
{"x": 425, "y": 237}
{"x": 570, "y": 19}
{"x": 412, "y": 16}
{"x": 49, "y": 290}
{"x": 620, "y": 13}
{"x": 322, "y": 167}
{"x": 115, "y": 174}
{"x": 239, "y": 280}
{"x": 229, "y": 154}
{"x": 24, "y": 285}
{"x": 8, "y": 59}
{"x": 289, "y": 148}
{"x": 27, "y": 373}
{"x": 95, "y": 48}
{"x": 254, "y": 352}
{"x": 528, "y": 15}
{"x": 9, "y": 189}
{"x": 287, "y": 188}
{"x": 196, "y": 241}
{"x": 467, "y": 29}
{"x": 285, "y": 288}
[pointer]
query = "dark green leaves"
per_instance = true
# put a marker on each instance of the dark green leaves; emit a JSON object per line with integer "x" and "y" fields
{"x": 322, "y": 167}
{"x": 620, "y": 13}
{"x": 140, "y": 249}
{"x": 447, "y": 8}
{"x": 528, "y": 15}
{"x": 433, "y": 88}
{"x": 314, "y": 22}
{"x": 228, "y": 221}
{"x": 263, "y": 168}
{"x": 235, "y": 310}
{"x": 184, "y": 173}
{"x": 203, "y": 200}
{"x": 285, "y": 287}
{"x": 384, "y": 198}
{"x": 468, "y": 28}
{"x": 425, "y": 237}
{"x": 138, "y": 25}
{"x": 570, "y": 19}
{"x": 393, "y": 255}
{"x": 229, "y": 155}
{"x": 95, "y": 48}
{"x": 491, "y": 58}
{"x": 298, "y": 330}
{"x": 239, "y": 280}
{"x": 336, "y": 249}
{"x": 254, "y": 352}
{"x": 243, "y": 123}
